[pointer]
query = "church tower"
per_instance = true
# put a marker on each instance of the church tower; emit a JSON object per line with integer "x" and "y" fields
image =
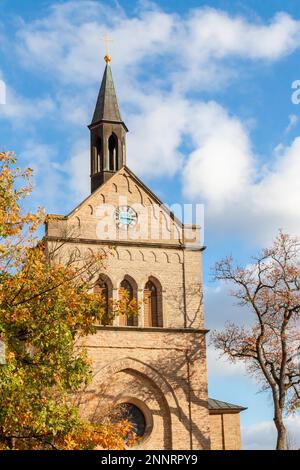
{"x": 108, "y": 133}
{"x": 154, "y": 362}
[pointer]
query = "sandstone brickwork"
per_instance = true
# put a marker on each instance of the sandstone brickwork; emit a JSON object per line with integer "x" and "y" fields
{"x": 225, "y": 433}
{"x": 161, "y": 370}
{"x": 156, "y": 361}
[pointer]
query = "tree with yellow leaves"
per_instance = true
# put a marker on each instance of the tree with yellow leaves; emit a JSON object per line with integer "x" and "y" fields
{"x": 44, "y": 308}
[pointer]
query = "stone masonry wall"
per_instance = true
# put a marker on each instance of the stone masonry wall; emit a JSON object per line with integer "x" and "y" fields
{"x": 163, "y": 371}
{"x": 225, "y": 432}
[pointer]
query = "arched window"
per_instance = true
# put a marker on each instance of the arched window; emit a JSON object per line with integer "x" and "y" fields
{"x": 126, "y": 286}
{"x": 131, "y": 320}
{"x": 103, "y": 289}
{"x": 113, "y": 152}
{"x": 152, "y": 305}
{"x": 94, "y": 160}
{"x": 97, "y": 157}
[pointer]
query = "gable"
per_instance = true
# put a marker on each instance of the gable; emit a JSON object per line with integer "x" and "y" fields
{"x": 96, "y": 217}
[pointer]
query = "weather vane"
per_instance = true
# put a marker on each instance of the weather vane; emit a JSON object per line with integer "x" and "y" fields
{"x": 107, "y": 40}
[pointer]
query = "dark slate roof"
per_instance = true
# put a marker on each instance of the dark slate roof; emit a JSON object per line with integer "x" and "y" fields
{"x": 222, "y": 405}
{"x": 107, "y": 107}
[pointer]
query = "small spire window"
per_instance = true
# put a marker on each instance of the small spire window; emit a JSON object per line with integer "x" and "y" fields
{"x": 113, "y": 152}
{"x": 99, "y": 156}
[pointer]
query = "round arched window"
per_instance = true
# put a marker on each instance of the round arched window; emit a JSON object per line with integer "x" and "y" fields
{"x": 132, "y": 414}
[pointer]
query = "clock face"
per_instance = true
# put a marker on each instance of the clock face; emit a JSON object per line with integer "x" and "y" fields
{"x": 125, "y": 217}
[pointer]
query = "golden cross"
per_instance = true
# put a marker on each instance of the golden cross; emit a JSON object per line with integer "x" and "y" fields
{"x": 106, "y": 40}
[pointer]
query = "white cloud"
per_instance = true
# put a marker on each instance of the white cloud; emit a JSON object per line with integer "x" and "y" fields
{"x": 152, "y": 147}
{"x": 23, "y": 111}
{"x": 221, "y": 307}
{"x": 191, "y": 52}
{"x": 56, "y": 42}
{"x": 293, "y": 121}
{"x": 67, "y": 42}
{"x": 48, "y": 173}
{"x": 277, "y": 195}
{"x": 240, "y": 193}
{"x": 78, "y": 167}
{"x": 262, "y": 435}
{"x": 218, "y": 366}
{"x": 74, "y": 109}
{"x": 209, "y": 37}
{"x": 221, "y": 165}
{"x": 219, "y": 34}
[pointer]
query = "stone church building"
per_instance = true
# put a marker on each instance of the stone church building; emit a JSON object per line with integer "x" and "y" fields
{"x": 154, "y": 362}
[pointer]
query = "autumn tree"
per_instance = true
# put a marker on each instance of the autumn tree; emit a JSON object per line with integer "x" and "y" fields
{"x": 270, "y": 288}
{"x": 45, "y": 307}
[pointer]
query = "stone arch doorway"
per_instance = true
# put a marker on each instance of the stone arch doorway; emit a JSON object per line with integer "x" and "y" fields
{"x": 115, "y": 384}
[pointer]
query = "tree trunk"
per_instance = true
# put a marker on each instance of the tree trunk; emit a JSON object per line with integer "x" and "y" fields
{"x": 281, "y": 433}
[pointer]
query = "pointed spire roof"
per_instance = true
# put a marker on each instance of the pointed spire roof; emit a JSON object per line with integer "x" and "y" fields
{"x": 107, "y": 107}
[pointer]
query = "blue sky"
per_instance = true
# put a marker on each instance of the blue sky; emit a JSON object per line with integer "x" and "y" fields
{"x": 205, "y": 89}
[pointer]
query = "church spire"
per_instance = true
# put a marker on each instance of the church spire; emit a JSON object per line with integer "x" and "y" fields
{"x": 107, "y": 106}
{"x": 108, "y": 132}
